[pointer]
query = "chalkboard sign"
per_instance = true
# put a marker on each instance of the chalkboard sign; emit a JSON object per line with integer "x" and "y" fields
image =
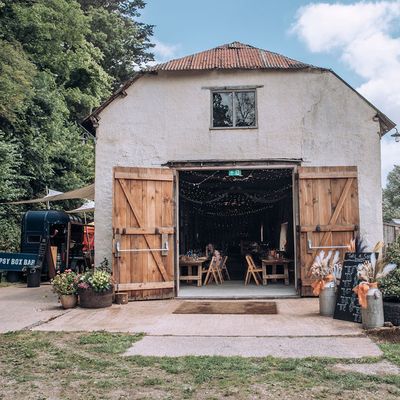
{"x": 42, "y": 252}
{"x": 347, "y": 305}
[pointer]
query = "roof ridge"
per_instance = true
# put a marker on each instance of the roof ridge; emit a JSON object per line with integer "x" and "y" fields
{"x": 233, "y": 45}
{"x": 220, "y": 57}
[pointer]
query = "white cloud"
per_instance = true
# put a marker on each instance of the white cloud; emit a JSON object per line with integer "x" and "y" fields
{"x": 364, "y": 35}
{"x": 164, "y": 51}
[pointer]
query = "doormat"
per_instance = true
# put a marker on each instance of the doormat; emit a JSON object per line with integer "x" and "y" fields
{"x": 227, "y": 307}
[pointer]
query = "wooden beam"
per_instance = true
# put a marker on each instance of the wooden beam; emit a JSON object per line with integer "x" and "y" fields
{"x": 328, "y": 228}
{"x": 145, "y": 286}
{"x": 328, "y": 175}
{"x": 144, "y": 177}
{"x": 168, "y": 230}
{"x": 129, "y": 230}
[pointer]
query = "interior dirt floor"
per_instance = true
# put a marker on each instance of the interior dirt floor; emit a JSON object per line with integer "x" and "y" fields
{"x": 296, "y": 331}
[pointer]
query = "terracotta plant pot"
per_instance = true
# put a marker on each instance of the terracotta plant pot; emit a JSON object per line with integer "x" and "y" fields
{"x": 88, "y": 298}
{"x": 68, "y": 300}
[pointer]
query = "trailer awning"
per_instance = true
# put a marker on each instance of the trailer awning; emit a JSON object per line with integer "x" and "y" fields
{"x": 86, "y": 192}
{"x": 86, "y": 207}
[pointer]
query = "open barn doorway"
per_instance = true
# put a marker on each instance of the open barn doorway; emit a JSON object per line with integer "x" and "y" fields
{"x": 229, "y": 219}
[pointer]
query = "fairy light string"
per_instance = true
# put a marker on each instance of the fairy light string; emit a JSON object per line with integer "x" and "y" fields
{"x": 217, "y": 194}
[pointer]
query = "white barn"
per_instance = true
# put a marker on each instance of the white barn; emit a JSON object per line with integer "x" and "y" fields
{"x": 250, "y": 145}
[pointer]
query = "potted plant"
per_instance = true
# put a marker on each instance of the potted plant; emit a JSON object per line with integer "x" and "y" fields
{"x": 95, "y": 288}
{"x": 390, "y": 286}
{"x": 65, "y": 285}
{"x": 326, "y": 271}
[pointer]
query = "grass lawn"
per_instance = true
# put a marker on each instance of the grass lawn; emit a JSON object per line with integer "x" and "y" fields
{"x": 42, "y": 365}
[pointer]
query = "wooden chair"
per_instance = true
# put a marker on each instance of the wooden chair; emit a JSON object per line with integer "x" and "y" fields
{"x": 213, "y": 272}
{"x": 252, "y": 271}
{"x": 224, "y": 269}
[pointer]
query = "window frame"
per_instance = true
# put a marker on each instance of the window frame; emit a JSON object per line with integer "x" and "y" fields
{"x": 233, "y": 90}
{"x": 30, "y": 236}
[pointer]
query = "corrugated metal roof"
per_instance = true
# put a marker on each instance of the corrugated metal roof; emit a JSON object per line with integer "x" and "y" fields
{"x": 234, "y": 55}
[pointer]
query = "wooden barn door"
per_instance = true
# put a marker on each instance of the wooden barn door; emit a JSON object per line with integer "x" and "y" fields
{"x": 143, "y": 232}
{"x": 328, "y": 213}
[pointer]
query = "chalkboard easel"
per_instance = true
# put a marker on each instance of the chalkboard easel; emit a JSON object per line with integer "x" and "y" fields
{"x": 347, "y": 306}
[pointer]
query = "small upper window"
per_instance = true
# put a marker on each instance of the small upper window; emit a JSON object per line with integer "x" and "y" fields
{"x": 234, "y": 109}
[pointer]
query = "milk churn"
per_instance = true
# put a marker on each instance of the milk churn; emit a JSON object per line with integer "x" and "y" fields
{"x": 327, "y": 301}
{"x": 372, "y": 315}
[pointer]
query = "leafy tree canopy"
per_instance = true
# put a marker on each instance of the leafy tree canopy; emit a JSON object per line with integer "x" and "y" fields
{"x": 58, "y": 60}
{"x": 123, "y": 41}
{"x": 391, "y": 195}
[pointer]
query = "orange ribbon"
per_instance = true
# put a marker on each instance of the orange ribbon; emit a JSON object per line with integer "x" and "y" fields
{"x": 320, "y": 284}
{"x": 362, "y": 289}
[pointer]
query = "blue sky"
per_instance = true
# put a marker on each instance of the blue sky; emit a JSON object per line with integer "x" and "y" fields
{"x": 358, "y": 40}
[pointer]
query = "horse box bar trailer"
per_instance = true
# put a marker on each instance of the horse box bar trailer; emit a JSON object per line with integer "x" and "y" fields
{"x": 50, "y": 241}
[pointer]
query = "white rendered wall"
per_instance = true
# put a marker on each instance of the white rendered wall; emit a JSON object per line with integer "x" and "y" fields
{"x": 303, "y": 115}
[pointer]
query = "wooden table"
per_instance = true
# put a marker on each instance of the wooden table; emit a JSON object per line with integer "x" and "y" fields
{"x": 190, "y": 263}
{"x": 273, "y": 263}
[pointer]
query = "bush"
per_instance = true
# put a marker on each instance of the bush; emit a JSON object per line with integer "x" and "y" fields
{"x": 65, "y": 283}
{"x": 390, "y": 285}
{"x": 99, "y": 281}
{"x": 393, "y": 252}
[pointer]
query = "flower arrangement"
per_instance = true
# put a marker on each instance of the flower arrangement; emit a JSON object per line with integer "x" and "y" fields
{"x": 65, "y": 283}
{"x": 325, "y": 270}
{"x": 370, "y": 272}
{"x": 98, "y": 279}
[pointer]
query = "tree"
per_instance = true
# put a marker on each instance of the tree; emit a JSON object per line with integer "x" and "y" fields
{"x": 53, "y": 35}
{"x": 16, "y": 77}
{"x": 391, "y": 195}
{"x": 124, "y": 42}
{"x": 10, "y": 189}
{"x": 58, "y": 61}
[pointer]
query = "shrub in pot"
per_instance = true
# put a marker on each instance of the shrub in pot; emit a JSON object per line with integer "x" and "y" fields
{"x": 65, "y": 285}
{"x": 390, "y": 288}
{"x": 95, "y": 289}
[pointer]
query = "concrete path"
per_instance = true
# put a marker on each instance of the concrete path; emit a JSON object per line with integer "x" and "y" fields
{"x": 23, "y": 308}
{"x": 296, "y": 317}
{"x": 285, "y": 347}
{"x": 296, "y": 331}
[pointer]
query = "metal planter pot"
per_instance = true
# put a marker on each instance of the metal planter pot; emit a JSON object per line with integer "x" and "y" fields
{"x": 88, "y": 298}
{"x": 327, "y": 301}
{"x": 372, "y": 316}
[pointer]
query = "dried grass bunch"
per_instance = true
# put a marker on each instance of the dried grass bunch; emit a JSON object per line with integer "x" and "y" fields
{"x": 324, "y": 266}
{"x": 371, "y": 271}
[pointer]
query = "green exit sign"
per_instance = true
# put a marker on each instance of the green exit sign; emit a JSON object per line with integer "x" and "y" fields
{"x": 235, "y": 172}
